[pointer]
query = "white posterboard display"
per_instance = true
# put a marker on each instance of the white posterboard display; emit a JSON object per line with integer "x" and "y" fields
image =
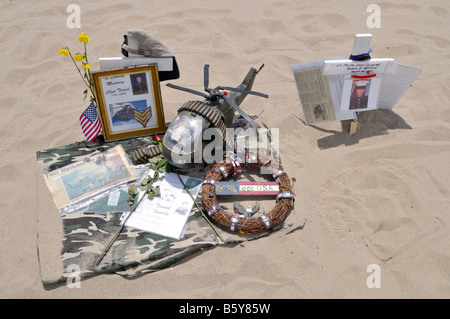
{"x": 337, "y": 89}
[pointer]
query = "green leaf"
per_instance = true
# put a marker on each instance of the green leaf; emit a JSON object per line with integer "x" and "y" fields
{"x": 131, "y": 200}
{"x": 153, "y": 191}
{"x": 132, "y": 190}
{"x": 144, "y": 183}
{"x": 160, "y": 166}
{"x": 155, "y": 159}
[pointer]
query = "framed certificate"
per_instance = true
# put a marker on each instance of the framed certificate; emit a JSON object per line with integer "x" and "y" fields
{"x": 129, "y": 102}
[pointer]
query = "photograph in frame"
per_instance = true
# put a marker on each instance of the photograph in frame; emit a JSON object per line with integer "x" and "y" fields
{"x": 94, "y": 174}
{"x": 129, "y": 102}
{"x": 360, "y": 94}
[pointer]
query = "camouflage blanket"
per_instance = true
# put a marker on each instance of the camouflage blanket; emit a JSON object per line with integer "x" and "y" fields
{"x": 73, "y": 242}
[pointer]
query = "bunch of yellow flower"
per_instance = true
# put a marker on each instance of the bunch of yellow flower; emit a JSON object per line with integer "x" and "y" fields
{"x": 82, "y": 57}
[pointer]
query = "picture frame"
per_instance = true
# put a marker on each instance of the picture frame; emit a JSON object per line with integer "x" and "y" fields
{"x": 129, "y": 102}
{"x": 360, "y": 94}
{"x": 90, "y": 176}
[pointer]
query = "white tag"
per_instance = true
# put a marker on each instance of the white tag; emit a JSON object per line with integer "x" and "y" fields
{"x": 113, "y": 199}
{"x": 351, "y": 67}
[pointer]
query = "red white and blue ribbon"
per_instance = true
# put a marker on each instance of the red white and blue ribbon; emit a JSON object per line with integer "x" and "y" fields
{"x": 223, "y": 171}
{"x": 361, "y": 56}
{"x": 233, "y": 222}
{"x": 236, "y": 165}
{"x": 213, "y": 209}
{"x": 278, "y": 173}
{"x": 209, "y": 181}
{"x": 266, "y": 221}
{"x": 286, "y": 195}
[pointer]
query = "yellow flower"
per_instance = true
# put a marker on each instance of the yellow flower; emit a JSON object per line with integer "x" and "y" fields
{"x": 78, "y": 57}
{"x": 64, "y": 51}
{"x": 83, "y": 37}
{"x": 86, "y": 66}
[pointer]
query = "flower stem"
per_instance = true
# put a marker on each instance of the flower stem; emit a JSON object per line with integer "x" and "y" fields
{"x": 91, "y": 83}
{"x": 73, "y": 60}
{"x": 111, "y": 242}
{"x": 201, "y": 210}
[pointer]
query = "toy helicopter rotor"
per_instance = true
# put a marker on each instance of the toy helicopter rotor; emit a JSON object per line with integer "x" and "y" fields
{"x": 215, "y": 94}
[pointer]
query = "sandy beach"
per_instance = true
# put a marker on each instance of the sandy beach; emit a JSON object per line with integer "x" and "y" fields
{"x": 378, "y": 197}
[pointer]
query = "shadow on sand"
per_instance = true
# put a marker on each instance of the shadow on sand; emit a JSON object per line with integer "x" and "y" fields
{"x": 371, "y": 123}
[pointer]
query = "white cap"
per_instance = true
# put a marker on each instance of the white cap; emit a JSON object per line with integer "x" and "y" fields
{"x": 362, "y": 84}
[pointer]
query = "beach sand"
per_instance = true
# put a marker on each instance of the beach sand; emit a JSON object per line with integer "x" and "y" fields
{"x": 380, "y": 197}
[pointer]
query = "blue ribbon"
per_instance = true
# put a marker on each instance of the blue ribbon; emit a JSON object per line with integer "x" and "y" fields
{"x": 357, "y": 117}
{"x": 360, "y": 56}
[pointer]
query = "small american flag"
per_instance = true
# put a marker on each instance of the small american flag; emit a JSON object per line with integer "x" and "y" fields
{"x": 90, "y": 123}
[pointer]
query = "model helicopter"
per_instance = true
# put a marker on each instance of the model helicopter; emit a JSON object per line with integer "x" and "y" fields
{"x": 217, "y": 110}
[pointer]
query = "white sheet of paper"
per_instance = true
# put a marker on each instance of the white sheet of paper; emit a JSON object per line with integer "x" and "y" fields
{"x": 166, "y": 215}
{"x": 310, "y": 88}
{"x": 113, "y": 198}
{"x": 395, "y": 84}
{"x": 344, "y": 67}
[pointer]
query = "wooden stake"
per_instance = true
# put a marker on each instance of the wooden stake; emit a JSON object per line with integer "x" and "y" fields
{"x": 353, "y": 127}
{"x": 354, "y": 124}
{"x": 361, "y": 45}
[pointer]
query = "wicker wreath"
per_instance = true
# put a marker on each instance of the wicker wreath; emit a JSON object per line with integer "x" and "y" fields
{"x": 236, "y": 223}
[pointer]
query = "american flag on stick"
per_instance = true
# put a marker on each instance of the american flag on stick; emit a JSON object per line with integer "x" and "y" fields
{"x": 90, "y": 123}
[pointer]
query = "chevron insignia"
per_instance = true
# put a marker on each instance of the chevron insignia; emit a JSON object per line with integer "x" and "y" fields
{"x": 142, "y": 117}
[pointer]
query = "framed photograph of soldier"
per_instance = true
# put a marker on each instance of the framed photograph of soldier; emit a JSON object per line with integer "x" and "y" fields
{"x": 129, "y": 102}
{"x": 360, "y": 94}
